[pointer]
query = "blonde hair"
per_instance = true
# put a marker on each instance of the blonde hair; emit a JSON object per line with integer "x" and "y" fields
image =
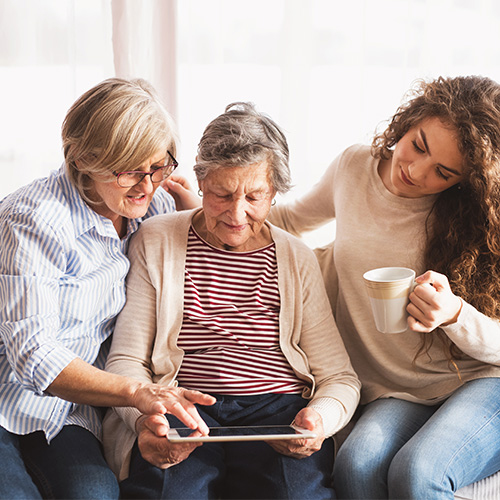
{"x": 115, "y": 126}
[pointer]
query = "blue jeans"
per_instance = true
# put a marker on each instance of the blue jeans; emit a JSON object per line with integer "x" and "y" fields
{"x": 405, "y": 450}
{"x": 237, "y": 470}
{"x": 71, "y": 466}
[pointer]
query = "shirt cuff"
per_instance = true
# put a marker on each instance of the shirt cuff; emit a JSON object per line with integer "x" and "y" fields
{"x": 45, "y": 364}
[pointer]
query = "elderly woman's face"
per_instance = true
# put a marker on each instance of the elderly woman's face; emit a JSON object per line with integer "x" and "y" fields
{"x": 236, "y": 203}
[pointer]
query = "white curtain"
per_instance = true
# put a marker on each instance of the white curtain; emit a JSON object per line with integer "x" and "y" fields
{"x": 50, "y": 52}
{"x": 144, "y": 44}
{"x": 328, "y": 71}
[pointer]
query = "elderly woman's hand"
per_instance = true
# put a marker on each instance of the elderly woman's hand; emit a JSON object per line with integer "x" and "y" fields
{"x": 154, "y": 445}
{"x": 301, "y": 448}
{"x": 153, "y": 399}
{"x": 432, "y": 303}
{"x": 180, "y": 189}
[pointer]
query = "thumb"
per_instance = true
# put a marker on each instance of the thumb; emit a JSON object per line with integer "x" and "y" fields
{"x": 302, "y": 420}
{"x": 157, "y": 424}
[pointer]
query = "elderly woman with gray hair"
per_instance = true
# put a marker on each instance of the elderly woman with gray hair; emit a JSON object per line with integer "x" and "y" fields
{"x": 221, "y": 301}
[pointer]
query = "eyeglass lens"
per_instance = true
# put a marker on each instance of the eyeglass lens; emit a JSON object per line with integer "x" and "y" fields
{"x": 129, "y": 179}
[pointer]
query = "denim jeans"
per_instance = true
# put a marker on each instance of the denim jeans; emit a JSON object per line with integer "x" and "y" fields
{"x": 237, "y": 469}
{"x": 71, "y": 466}
{"x": 404, "y": 450}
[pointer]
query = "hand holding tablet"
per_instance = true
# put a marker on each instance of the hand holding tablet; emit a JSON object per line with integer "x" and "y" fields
{"x": 241, "y": 433}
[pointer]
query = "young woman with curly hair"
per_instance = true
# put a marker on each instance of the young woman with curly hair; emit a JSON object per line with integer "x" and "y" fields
{"x": 426, "y": 195}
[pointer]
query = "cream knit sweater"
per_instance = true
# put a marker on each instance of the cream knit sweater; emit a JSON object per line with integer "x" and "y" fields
{"x": 375, "y": 228}
{"x": 145, "y": 338}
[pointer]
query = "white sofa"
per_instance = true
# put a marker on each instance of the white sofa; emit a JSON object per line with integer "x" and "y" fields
{"x": 486, "y": 489}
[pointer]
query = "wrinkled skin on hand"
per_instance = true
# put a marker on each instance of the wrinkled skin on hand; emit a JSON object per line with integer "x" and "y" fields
{"x": 302, "y": 448}
{"x": 154, "y": 445}
{"x": 152, "y": 399}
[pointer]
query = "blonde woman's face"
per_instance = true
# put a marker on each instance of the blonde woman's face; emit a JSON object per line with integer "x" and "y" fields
{"x": 426, "y": 161}
{"x": 116, "y": 202}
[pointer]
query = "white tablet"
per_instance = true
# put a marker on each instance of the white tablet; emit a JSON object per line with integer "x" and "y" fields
{"x": 241, "y": 433}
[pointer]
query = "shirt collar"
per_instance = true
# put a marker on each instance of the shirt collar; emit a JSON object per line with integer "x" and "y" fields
{"x": 83, "y": 217}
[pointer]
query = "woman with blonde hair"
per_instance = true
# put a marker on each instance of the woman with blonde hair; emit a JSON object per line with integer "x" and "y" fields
{"x": 426, "y": 195}
{"x": 63, "y": 262}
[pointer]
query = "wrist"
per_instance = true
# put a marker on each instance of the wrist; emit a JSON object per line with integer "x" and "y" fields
{"x": 139, "y": 424}
{"x": 454, "y": 319}
{"x": 132, "y": 390}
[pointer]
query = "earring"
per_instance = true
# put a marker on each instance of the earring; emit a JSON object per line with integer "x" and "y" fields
{"x": 200, "y": 193}
{"x": 273, "y": 203}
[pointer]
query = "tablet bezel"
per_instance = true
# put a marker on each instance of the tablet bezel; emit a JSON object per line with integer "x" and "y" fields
{"x": 296, "y": 433}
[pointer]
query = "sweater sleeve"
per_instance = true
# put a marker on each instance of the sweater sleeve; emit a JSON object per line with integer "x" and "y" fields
{"x": 312, "y": 210}
{"x": 337, "y": 386}
{"x": 317, "y": 350}
{"x": 135, "y": 329}
{"x": 476, "y": 335}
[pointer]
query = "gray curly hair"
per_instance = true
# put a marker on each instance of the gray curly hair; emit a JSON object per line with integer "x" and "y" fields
{"x": 241, "y": 137}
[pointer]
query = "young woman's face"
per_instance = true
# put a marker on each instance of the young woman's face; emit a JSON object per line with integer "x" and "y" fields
{"x": 426, "y": 161}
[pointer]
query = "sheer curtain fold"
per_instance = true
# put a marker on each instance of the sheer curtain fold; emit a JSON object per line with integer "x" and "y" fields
{"x": 144, "y": 44}
{"x": 328, "y": 71}
{"x": 50, "y": 52}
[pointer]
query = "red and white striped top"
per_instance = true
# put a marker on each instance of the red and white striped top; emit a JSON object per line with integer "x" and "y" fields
{"x": 230, "y": 330}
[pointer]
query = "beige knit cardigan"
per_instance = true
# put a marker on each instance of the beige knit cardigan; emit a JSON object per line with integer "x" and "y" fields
{"x": 145, "y": 339}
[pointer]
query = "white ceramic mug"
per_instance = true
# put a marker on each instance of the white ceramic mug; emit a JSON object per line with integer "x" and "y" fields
{"x": 388, "y": 289}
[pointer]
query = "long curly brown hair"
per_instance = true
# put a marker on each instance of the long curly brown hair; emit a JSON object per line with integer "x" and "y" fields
{"x": 463, "y": 227}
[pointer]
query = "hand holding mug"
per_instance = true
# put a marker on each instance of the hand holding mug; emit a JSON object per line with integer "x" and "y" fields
{"x": 432, "y": 306}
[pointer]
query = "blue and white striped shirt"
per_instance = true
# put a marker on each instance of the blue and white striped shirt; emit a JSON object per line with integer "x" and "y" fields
{"x": 62, "y": 272}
